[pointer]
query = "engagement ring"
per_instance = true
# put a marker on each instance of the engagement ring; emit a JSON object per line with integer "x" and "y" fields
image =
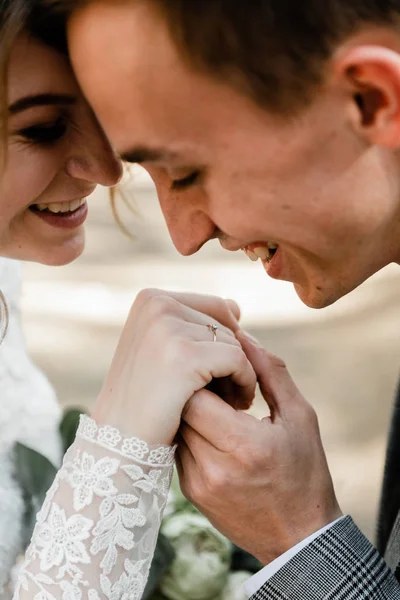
{"x": 213, "y": 328}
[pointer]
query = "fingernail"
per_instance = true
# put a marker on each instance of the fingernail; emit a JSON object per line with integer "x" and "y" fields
{"x": 249, "y": 337}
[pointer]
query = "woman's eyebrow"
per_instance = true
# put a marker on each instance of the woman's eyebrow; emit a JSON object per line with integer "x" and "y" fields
{"x": 40, "y": 100}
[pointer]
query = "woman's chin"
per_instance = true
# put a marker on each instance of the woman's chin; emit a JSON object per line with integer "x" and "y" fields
{"x": 58, "y": 260}
{"x": 61, "y": 256}
{"x": 50, "y": 254}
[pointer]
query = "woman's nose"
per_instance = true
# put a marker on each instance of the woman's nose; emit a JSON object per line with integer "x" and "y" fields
{"x": 93, "y": 159}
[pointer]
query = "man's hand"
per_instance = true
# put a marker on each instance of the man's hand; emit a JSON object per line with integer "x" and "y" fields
{"x": 264, "y": 484}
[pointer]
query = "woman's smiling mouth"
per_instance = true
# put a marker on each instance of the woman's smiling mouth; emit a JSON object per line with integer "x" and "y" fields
{"x": 64, "y": 215}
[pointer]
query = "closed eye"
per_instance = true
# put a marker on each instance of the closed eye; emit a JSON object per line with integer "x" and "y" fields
{"x": 45, "y": 133}
{"x": 185, "y": 182}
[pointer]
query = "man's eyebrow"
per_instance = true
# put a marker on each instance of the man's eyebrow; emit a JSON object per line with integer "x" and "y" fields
{"x": 40, "y": 100}
{"x": 141, "y": 154}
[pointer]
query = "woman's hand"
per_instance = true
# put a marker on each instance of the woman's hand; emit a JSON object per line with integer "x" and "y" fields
{"x": 166, "y": 353}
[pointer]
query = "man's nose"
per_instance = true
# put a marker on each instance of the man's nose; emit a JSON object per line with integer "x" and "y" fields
{"x": 93, "y": 159}
{"x": 189, "y": 230}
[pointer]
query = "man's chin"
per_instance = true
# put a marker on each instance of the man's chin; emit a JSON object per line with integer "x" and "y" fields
{"x": 317, "y": 297}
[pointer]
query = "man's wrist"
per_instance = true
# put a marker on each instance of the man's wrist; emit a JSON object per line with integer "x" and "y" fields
{"x": 259, "y": 579}
{"x": 269, "y": 554}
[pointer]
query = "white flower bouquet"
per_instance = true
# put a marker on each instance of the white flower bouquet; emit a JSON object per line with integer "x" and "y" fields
{"x": 195, "y": 561}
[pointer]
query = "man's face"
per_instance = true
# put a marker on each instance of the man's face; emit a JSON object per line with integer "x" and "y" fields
{"x": 223, "y": 167}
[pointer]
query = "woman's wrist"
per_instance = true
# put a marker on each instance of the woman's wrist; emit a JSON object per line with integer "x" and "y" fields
{"x": 144, "y": 421}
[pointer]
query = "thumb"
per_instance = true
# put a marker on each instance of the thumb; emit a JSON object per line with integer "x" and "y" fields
{"x": 276, "y": 385}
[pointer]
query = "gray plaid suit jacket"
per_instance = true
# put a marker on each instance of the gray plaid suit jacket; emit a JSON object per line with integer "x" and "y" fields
{"x": 342, "y": 564}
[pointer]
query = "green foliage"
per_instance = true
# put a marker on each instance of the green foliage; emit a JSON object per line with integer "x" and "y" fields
{"x": 69, "y": 426}
{"x": 35, "y": 474}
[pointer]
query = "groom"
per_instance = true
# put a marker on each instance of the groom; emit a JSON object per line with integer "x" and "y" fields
{"x": 273, "y": 126}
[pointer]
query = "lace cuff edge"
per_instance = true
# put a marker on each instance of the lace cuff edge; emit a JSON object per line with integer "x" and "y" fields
{"x": 130, "y": 447}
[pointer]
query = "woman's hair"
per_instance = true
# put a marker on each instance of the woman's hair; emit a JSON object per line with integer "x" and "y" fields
{"x": 13, "y": 15}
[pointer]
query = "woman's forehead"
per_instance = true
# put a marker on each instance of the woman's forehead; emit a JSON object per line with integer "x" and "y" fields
{"x": 35, "y": 68}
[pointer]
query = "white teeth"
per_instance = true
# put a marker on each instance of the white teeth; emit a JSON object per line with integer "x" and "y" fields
{"x": 262, "y": 252}
{"x": 61, "y": 207}
{"x": 252, "y": 255}
{"x": 74, "y": 205}
{"x": 265, "y": 253}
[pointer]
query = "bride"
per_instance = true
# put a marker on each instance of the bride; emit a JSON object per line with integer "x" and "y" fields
{"x": 97, "y": 530}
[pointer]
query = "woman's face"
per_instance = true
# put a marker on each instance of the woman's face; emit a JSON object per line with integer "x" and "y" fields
{"x": 57, "y": 154}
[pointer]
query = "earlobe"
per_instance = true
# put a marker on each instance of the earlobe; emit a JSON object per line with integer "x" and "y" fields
{"x": 372, "y": 73}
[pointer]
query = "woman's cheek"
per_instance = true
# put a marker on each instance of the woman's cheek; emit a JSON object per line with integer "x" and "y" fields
{"x": 28, "y": 175}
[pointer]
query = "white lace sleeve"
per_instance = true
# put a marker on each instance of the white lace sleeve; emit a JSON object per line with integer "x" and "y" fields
{"x": 96, "y": 533}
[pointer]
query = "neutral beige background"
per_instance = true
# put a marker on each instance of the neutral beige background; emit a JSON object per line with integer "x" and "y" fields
{"x": 345, "y": 359}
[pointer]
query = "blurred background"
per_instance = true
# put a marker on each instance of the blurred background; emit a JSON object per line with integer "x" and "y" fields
{"x": 345, "y": 359}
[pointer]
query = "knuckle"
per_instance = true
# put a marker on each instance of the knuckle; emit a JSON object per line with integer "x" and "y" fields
{"x": 145, "y": 295}
{"x": 276, "y": 361}
{"x": 194, "y": 492}
{"x": 216, "y": 481}
{"x": 306, "y": 415}
{"x": 310, "y": 415}
{"x": 272, "y": 361}
{"x": 221, "y": 309}
{"x": 161, "y": 305}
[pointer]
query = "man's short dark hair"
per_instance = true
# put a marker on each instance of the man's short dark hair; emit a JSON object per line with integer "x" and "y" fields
{"x": 274, "y": 50}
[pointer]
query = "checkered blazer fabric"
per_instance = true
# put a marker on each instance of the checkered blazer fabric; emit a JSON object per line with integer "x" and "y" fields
{"x": 390, "y": 498}
{"x": 340, "y": 564}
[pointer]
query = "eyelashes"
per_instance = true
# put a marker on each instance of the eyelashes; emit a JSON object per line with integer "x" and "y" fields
{"x": 45, "y": 134}
{"x": 185, "y": 182}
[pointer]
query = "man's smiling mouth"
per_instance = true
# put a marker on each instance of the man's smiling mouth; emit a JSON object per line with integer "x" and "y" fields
{"x": 265, "y": 251}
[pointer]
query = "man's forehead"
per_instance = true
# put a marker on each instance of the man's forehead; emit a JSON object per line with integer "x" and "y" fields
{"x": 130, "y": 33}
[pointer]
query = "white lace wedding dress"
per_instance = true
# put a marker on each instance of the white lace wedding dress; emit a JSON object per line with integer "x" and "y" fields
{"x": 96, "y": 533}
{"x": 29, "y": 413}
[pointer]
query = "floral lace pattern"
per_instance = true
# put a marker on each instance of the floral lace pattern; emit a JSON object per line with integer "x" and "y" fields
{"x": 96, "y": 532}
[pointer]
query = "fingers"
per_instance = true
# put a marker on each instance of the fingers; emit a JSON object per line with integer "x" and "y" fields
{"x": 276, "y": 384}
{"x": 224, "y": 360}
{"x": 201, "y": 333}
{"x": 214, "y": 307}
{"x": 184, "y": 458}
{"x": 187, "y": 468}
{"x": 214, "y": 420}
{"x": 194, "y": 316}
{"x": 237, "y": 397}
{"x": 193, "y": 444}
{"x": 234, "y": 308}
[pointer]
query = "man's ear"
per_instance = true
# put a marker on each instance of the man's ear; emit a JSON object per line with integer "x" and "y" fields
{"x": 372, "y": 73}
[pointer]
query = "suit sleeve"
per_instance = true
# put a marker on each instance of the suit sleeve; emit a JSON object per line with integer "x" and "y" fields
{"x": 341, "y": 564}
